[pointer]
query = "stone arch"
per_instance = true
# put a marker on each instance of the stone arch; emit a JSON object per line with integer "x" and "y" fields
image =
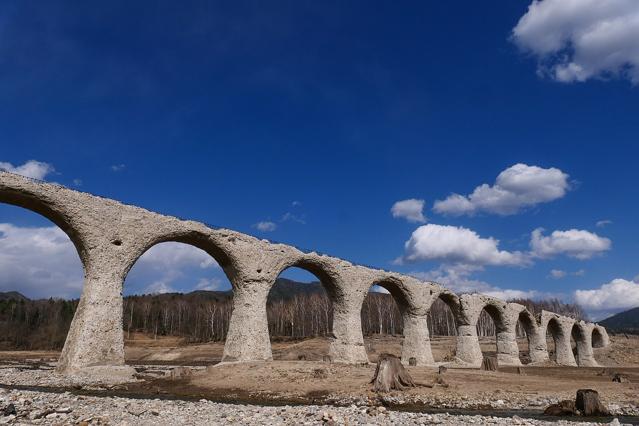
{"x": 412, "y": 327}
{"x": 598, "y": 338}
{"x": 49, "y": 210}
{"x": 443, "y": 322}
{"x": 193, "y": 238}
{"x": 557, "y": 334}
{"x": 582, "y": 333}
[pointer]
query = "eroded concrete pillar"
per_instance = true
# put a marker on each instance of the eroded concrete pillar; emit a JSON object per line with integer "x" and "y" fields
{"x": 95, "y": 343}
{"x": 416, "y": 343}
{"x": 347, "y": 343}
{"x": 468, "y": 349}
{"x": 585, "y": 354}
{"x": 248, "y": 337}
{"x": 507, "y": 348}
{"x": 537, "y": 347}
{"x": 563, "y": 348}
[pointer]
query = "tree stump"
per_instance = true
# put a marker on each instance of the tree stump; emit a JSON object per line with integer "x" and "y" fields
{"x": 589, "y": 404}
{"x": 489, "y": 363}
{"x": 391, "y": 374}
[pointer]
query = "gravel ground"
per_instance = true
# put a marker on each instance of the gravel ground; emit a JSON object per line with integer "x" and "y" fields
{"x": 36, "y": 407}
{"x": 30, "y": 407}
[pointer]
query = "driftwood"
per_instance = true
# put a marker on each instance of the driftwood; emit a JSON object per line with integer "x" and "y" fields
{"x": 391, "y": 374}
{"x": 489, "y": 363}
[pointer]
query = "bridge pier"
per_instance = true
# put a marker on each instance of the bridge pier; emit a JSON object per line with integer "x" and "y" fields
{"x": 416, "y": 343}
{"x": 248, "y": 337}
{"x": 95, "y": 342}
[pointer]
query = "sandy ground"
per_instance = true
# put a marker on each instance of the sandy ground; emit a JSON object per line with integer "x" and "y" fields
{"x": 298, "y": 375}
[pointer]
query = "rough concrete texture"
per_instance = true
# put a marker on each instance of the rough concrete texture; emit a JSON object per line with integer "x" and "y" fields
{"x": 111, "y": 236}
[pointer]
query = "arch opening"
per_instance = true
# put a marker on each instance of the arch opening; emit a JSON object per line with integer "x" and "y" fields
{"x": 488, "y": 325}
{"x": 442, "y": 328}
{"x": 41, "y": 281}
{"x": 597, "y": 338}
{"x": 382, "y": 319}
{"x": 554, "y": 329}
{"x": 524, "y": 330}
{"x": 577, "y": 338}
{"x": 299, "y": 310}
{"x": 175, "y": 294}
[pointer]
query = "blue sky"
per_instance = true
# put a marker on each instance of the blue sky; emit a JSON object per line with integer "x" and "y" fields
{"x": 305, "y": 123}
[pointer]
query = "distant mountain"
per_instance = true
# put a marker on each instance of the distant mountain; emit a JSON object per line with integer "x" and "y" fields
{"x": 623, "y": 322}
{"x": 12, "y": 295}
{"x": 283, "y": 289}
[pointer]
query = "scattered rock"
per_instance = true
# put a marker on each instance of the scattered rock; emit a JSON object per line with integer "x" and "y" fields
{"x": 9, "y": 410}
{"x": 442, "y": 369}
{"x": 412, "y": 361}
{"x": 320, "y": 373}
{"x": 326, "y": 358}
{"x": 620, "y": 378}
{"x": 180, "y": 372}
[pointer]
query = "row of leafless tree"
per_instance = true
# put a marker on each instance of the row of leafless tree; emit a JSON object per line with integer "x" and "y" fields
{"x": 205, "y": 316}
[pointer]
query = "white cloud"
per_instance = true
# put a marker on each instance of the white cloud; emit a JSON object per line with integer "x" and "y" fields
{"x": 575, "y": 243}
{"x": 458, "y": 278}
{"x": 515, "y": 188}
{"x": 39, "y": 262}
{"x": 118, "y": 167}
{"x": 171, "y": 255}
{"x": 558, "y": 274}
{"x": 209, "y": 284}
{"x": 576, "y": 40}
{"x": 77, "y": 182}
{"x": 616, "y": 296}
{"x": 159, "y": 287}
{"x": 412, "y": 210}
{"x": 266, "y": 226}
{"x": 457, "y": 245}
{"x": 171, "y": 267}
{"x": 602, "y": 223}
{"x": 290, "y": 217}
{"x": 32, "y": 168}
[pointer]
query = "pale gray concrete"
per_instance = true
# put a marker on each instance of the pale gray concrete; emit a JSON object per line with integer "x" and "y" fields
{"x": 110, "y": 237}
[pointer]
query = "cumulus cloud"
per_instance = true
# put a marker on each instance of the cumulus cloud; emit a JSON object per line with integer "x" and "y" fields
{"x": 457, "y": 245}
{"x": 576, "y": 40}
{"x": 171, "y": 255}
{"x": 458, "y": 278}
{"x": 266, "y": 226}
{"x": 574, "y": 243}
{"x": 412, "y": 210}
{"x": 616, "y": 296}
{"x": 171, "y": 267}
{"x": 209, "y": 284}
{"x": 32, "y": 168}
{"x": 515, "y": 188}
{"x": 39, "y": 262}
{"x": 159, "y": 287}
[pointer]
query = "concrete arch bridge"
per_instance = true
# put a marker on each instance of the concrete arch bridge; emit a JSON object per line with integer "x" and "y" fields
{"x": 110, "y": 236}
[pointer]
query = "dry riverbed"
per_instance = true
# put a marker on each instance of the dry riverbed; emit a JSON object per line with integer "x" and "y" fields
{"x": 292, "y": 391}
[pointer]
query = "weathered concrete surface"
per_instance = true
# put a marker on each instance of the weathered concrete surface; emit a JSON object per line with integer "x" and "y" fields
{"x": 110, "y": 237}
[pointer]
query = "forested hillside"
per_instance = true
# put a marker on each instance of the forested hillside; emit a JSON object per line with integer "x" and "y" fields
{"x": 294, "y": 310}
